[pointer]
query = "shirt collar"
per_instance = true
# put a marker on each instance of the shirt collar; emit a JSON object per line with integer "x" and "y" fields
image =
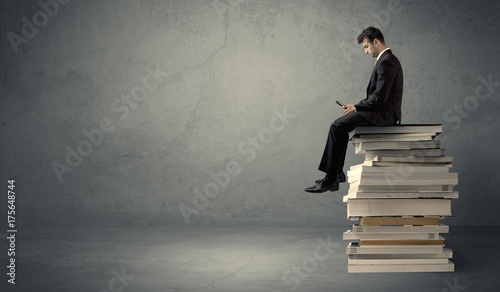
{"x": 382, "y": 53}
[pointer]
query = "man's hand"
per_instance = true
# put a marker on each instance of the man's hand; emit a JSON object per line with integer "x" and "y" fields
{"x": 349, "y": 108}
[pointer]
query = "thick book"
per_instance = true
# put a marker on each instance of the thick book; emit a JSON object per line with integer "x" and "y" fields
{"x": 411, "y": 160}
{"x": 395, "y": 179}
{"x": 396, "y": 164}
{"x": 351, "y": 235}
{"x": 400, "y": 242}
{"x": 370, "y": 154}
{"x": 406, "y": 220}
{"x": 398, "y": 207}
{"x": 400, "y": 188}
{"x": 362, "y": 147}
{"x": 441, "y": 228}
{"x": 401, "y": 268}
{"x": 400, "y": 195}
{"x": 392, "y": 137}
{"x": 446, "y": 253}
{"x": 354, "y": 248}
{"x": 398, "y": 169}
{"x": 401, "y": 129}
{"x": 403, "y": 261}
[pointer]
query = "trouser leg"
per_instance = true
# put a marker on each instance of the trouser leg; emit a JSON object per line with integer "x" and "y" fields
{"x": 333, "y": 158}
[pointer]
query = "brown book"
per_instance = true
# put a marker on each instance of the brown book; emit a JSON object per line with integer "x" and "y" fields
{"x": 385, "y": 242}
{"x": 409, "y": 220}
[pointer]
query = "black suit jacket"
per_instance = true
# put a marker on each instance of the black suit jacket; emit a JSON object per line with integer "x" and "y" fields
{"x": 382, "y": 105}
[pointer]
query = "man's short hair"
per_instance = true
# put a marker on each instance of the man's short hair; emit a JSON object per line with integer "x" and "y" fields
{"x": 371, "y": 33}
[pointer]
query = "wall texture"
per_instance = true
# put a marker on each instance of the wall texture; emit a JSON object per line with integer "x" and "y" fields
{"x": 216, "y": 112}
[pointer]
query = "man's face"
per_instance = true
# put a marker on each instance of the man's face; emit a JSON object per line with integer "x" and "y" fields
{"x": 370, "y": 48}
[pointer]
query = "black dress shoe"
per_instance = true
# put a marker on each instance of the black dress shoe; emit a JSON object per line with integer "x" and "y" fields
{"x": 324, "y": 186}
{"x": 340, "y": 178}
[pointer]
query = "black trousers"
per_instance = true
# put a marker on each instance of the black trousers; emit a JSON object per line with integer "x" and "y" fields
{"x": 333, "y": 158}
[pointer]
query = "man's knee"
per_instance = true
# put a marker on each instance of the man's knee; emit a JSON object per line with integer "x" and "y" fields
{"x": 335, "y": 126}
{"x": 341, "y": 125}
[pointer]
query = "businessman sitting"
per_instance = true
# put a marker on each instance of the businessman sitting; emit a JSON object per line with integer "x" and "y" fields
{"x": 381, "y": 107}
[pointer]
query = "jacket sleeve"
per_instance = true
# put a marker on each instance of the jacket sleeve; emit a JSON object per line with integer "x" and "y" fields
{"x": 386, "y": 72}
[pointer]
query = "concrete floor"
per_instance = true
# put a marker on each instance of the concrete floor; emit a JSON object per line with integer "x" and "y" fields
{"x": 273, "y": 259}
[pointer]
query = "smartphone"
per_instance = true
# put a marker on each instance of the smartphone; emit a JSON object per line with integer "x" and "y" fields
{"x": 339, "y": 103}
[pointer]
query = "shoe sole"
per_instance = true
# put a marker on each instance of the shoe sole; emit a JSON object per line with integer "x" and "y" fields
{"x": 319, "y": 192}
{"x": 340, "y": 181}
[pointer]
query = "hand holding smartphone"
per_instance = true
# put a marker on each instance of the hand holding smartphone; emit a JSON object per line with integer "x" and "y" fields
{"x": 347, "y": 108}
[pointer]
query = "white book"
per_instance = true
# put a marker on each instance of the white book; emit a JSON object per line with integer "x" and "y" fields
{"x": 401, "y": 268}
{"x": 398, "y": 207}
{"x": 351, "y": 235}
{"x": 358, "y": 218}
{"x": 394, "y": 179}
{"x": 437, "y": 261}
{"x": 441, "y": 228}
{"x": 387, "y": 163}
{"x": 370, "y": 154}
{"x": 418, "y": 159}
{"x": 400, "y": 195}
{"x": 401, "y": 242}
{"x": 362, "y": 147}
{"x": 398, "y": 169}
{"x": 447, "y": 253}
{"x": 354, "y": 248}
{"x": 403, "y": 129}
{"x": 392, "y": 137}
{"x": 400, "y": 189}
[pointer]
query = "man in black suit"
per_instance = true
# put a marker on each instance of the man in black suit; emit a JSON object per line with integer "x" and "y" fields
{"x": 381, "y": 107}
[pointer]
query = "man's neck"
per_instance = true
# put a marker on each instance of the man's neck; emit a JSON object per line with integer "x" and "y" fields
{"x": 382, "y": 50}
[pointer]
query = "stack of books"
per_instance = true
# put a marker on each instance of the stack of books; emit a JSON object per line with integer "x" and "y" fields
{"x": 398, "y": 195}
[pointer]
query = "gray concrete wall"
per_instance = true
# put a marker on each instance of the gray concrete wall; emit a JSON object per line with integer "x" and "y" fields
{"x": 125, "y": 112}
